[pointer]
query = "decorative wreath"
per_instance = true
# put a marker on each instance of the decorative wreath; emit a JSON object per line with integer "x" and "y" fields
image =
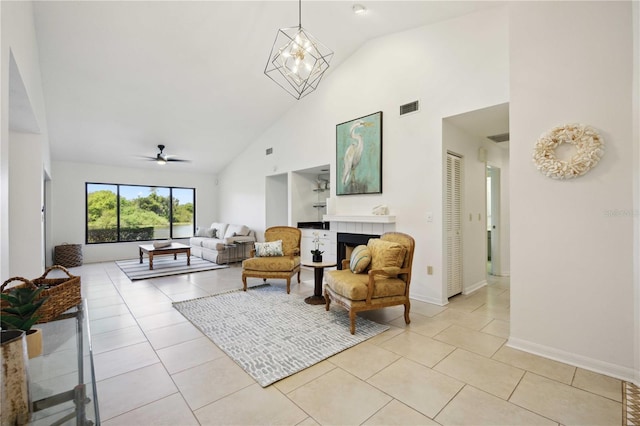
{"x": 589, "y": 149}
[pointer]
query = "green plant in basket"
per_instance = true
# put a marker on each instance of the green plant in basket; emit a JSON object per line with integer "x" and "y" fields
{"x": 23, "y": 305}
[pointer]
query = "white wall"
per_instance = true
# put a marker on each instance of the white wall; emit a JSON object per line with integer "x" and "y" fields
{"x": 25, "y": 205}
{"x": 451, "y": 67}
{"x": 18, "y": 39}
{"x": 504, "y": 267}
{"x": 572, "y": 254}
{"x": 68, "y": 206}
{"x": 276, "y": 204}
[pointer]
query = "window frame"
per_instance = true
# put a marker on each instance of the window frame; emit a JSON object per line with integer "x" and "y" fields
{"x": 118, "y": 205}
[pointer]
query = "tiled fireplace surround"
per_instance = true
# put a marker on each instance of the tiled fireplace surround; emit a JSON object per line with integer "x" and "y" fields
{"x": 352, "y": 231}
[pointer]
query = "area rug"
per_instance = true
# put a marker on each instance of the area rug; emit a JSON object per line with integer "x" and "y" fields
{"x": 272, "y": 334}
{"x": 164, "y": 266}
{"x": 631, "y": 404}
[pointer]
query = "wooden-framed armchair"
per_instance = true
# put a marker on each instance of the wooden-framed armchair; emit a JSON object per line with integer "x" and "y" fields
{"x": 282, "y": 265}
{"x": 384, "y": 282}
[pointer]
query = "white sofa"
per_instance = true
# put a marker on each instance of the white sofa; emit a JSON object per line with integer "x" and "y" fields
{"x": 228, "y": 243}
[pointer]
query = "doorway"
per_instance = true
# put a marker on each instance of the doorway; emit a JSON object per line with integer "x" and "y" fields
{"x": 481, "y": 139}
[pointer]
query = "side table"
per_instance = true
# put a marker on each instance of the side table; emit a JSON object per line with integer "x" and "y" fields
{"x": 318, "y": 269}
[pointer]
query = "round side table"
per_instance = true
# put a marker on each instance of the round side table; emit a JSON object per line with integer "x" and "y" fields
{"x": 318, "y": 269}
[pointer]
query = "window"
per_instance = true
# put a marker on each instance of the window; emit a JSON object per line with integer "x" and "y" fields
{"x": 118, "y": 213}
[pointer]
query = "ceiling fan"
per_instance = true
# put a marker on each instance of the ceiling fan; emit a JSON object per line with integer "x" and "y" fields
{"x": 162, "y": 158}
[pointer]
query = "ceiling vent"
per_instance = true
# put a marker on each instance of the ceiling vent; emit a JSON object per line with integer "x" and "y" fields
{"x": 269, "y": 151}
{"x": 502, "y": 137}
{"x": 409, "y": 108}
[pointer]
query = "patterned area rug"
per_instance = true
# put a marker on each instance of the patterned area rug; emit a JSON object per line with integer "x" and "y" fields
{"x": 272, "y": 334}
{"x": 164, "y": 266}
{"x": 631, "y": 404}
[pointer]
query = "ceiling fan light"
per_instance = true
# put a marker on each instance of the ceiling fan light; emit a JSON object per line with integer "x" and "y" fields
{"x": 161, "y": 161}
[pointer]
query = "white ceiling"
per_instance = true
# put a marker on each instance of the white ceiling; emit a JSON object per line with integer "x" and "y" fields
{"x": 120, "y": 78}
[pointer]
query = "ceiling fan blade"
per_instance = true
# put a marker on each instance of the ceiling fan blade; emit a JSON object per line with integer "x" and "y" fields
{"x": 161, "y": 157}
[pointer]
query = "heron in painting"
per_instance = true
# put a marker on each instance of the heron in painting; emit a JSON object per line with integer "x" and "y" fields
{"x": 353, "y": 153}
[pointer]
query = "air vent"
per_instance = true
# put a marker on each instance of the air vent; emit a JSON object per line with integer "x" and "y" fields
{"x": 269, "y": 151}
{"x": 502, "y": 137}
{"x": 409, "y": 108}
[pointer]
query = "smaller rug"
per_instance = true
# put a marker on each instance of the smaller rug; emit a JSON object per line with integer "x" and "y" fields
{"x": 272, "y": 334}
{"x": 631, "y": 404}
{"x": 164, "y": 266}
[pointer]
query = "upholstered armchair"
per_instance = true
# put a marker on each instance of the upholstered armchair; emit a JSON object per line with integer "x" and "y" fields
{"x": 269, "y": 261}
{"x": 376, "y": 276}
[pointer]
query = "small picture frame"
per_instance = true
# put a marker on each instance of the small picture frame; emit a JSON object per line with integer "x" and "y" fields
{"x": 359, "y": 155}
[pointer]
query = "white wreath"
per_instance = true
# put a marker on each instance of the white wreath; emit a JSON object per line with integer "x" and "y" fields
{"x": 588, "y": 151}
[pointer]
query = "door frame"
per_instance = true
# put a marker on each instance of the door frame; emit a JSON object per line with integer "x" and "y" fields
{"x": 495, "y": 222}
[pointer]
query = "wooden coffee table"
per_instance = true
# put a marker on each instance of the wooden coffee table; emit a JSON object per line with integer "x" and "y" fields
{"x": 173, "y": 249}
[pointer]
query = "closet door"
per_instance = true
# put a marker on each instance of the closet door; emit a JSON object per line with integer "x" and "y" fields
{"x": 453, "y": 224}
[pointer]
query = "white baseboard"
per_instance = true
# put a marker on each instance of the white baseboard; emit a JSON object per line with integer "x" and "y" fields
{"x": 473, "y": 287}
{"x": 431, "y": 300}
{"x": 602, "y": 367}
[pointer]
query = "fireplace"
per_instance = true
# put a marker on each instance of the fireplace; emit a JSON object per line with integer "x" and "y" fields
{"x": 347, "y": 242}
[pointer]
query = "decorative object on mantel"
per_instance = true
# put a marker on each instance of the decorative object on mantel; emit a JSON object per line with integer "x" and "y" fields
{"x": 589, "y": 150}
{"x": 297, "y": 60}
{"x": 316, "y": 252}
{"x": 359, "y": 155}
{"x": 380, "y": 210}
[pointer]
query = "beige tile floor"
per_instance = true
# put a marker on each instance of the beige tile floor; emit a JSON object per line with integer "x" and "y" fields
{"x": 450, "y": 366}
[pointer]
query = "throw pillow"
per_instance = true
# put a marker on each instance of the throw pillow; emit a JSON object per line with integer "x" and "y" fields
{"x": 360, "y": 259}
{"x": 272, "y": 248}
{"x": 236, "y": 230}
{"x": 385, "y": 253}
{"x": 205, "y": 232}
{"x": 220, "y": 227}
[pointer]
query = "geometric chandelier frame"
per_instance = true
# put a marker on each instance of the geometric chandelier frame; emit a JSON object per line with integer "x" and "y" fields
{"x": 298, "y": 60}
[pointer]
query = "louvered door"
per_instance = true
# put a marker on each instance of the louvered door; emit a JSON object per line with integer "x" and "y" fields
{"x": 453, "y": 224}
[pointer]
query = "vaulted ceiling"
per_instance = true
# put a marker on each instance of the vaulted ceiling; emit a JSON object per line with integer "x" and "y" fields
{"x": 121, "y": 77}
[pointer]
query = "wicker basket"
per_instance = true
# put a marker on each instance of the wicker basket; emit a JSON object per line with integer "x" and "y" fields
{"x": 68, "y": 255}
{"x": 64, "y": 293}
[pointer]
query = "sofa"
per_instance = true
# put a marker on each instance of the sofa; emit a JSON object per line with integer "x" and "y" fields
{"x": 222, "y": 242}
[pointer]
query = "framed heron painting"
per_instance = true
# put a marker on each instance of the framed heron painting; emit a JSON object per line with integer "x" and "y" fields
{"x": 359, "y": 155}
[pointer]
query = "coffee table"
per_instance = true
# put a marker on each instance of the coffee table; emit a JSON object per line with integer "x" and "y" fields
{"x": 318, "y": 269}
{"x": 174, "y": 249}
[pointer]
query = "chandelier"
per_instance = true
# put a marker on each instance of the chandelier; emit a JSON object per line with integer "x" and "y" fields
{"x": 298, "y": 60}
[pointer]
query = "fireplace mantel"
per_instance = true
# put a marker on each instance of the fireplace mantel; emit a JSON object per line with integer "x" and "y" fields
{"x": 371, "y": 218}
{"x": 361, "y": 224}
